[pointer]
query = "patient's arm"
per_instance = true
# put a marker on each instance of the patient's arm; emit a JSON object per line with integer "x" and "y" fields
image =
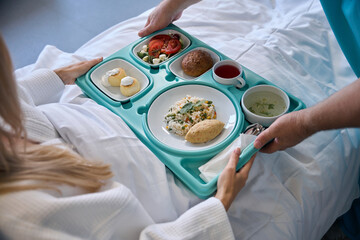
{"x": 164, "y": 14}
{"x": 45, "y": 86}
{"x": 69, "y": 74}
{"x": 207, "y": 220}
{"x": 340, "y": 110}
{"x": 230, "y": 181}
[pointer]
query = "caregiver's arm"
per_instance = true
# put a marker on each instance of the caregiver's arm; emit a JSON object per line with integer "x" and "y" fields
{"x": 164, "y": 14}
{"x": 340, "y": 110}
{"x": 45, "y": 86}
{"x": 207, "y": 220}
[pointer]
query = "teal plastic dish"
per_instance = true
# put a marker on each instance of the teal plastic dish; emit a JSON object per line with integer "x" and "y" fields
{"x": 163, "y": 83}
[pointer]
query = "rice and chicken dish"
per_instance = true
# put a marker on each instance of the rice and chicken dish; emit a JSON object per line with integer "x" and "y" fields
{"x": 186, "y": 112}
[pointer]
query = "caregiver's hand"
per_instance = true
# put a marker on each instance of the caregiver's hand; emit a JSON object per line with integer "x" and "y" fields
{"x": 231, "y": 182}
{"x": 69, "y": 74}
{"x": 287, "y": 131}
{"x": 165, "y": 13}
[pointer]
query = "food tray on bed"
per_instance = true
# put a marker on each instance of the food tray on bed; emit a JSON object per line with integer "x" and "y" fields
{"x": 161, "y": 85}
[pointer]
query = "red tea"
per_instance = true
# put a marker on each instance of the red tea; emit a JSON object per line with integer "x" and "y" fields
{"x": 227, "y": 71}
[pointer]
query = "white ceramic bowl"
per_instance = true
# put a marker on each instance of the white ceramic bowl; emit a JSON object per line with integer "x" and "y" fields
{"x": 266, "y": 91}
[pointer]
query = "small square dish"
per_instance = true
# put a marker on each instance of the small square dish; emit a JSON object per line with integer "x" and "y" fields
{"x": 176, "y": 68}
{"x": 164, "y": 46}
{"x": 114, "y": 92}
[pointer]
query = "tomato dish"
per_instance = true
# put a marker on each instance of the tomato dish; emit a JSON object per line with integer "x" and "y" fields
{"x": 160, "y": 48}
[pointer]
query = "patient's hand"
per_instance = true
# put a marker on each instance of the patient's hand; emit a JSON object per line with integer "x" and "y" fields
{"x": 69, "y": 74}
{"x": 231, "y": 182}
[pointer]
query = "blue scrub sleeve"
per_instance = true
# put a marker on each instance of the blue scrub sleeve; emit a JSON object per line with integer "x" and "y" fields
{"x": 344, "y": 19}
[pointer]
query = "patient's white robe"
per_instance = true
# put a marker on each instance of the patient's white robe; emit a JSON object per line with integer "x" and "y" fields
{"x": 112, "y": 213}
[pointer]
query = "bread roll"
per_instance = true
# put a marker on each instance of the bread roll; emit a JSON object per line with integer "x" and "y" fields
{"x": 196, "y": 63}
{"x": 204, "y": 131}
{"x": 129, "y": 86}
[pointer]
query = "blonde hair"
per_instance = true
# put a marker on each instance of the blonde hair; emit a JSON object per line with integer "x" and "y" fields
{"x": 33, "y": 166}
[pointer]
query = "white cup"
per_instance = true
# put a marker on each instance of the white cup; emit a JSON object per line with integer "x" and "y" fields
{"x": 228, "y": 72}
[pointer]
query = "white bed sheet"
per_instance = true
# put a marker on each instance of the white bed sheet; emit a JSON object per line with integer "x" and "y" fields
{"x": 294, "y": 194}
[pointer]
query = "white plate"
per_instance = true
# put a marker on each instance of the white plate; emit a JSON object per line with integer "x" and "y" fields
{"x": 114, "y": 92}
{"x": 137, "y": 48}
{"x": 175, "y": 66}
{"x": 225, "y": 111}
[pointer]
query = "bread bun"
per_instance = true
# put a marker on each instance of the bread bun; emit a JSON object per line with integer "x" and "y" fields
{"x": 129, "y": 86}
{"x": 196, "y": 63}
{"x": 204, "y": 131}
{"x": 115, "y": 79}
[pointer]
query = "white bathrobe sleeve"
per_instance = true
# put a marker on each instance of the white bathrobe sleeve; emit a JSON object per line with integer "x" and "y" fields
{"x": 39, "y": 88}
{"x": 42, "y": 86}
{"x": 207, "y": 220}
{"x": 110, "y": 214}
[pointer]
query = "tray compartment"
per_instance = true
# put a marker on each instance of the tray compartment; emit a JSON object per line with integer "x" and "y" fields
{"x": 228, "y": 111}
{"x": 114, "y": 92}
{"x": 175, "y": 65}
{"x": 295, "y": 103}
{"x": 138, "y": 47}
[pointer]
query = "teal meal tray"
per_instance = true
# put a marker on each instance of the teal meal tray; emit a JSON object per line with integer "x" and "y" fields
{"x": 160, "y": 85}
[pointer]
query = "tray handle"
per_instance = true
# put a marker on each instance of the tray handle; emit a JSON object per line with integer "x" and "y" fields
{"x": 246, "y": 154}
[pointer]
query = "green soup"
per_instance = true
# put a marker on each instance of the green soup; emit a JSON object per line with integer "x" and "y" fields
{"x": 265, "y": 104}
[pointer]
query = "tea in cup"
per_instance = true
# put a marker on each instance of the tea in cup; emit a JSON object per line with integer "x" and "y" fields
{"x": 228, "y": 72}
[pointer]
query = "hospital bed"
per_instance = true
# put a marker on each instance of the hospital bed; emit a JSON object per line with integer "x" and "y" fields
{"x": 293, "y": 194}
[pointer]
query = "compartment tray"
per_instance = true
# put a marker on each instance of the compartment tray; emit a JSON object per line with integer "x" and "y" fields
{"x": 184, "y": 164}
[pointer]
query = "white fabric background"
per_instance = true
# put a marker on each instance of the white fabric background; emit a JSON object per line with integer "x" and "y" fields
{"x": 294, "y": 194}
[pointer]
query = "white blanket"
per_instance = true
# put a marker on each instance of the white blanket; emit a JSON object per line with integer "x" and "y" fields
{"x": 294, "y": 194}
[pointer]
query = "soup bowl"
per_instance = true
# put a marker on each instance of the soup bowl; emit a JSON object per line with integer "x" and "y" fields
{"x": 263, "y": 104}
